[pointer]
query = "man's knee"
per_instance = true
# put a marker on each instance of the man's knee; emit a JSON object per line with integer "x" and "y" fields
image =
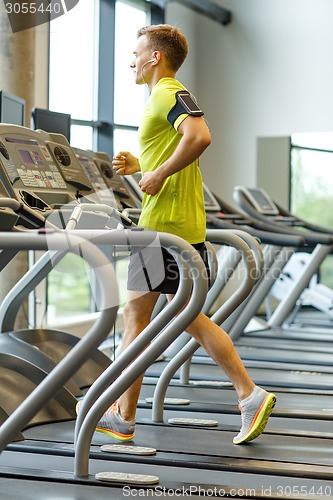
{"x": 131, "y": 311}
{"x": 139, "y": 310}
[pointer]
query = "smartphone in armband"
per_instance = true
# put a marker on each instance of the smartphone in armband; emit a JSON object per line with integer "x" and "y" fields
{"x": 188, "y": 103}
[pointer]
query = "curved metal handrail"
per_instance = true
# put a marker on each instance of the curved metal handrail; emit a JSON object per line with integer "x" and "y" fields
{"x": 257, "y": 254}
{"x": 12, "y": 302}
{"x": 177, "y": 247}
{"x": 157, "y": 324}
{"x": 188, "y": 350}
{"x": 80, "y": 353}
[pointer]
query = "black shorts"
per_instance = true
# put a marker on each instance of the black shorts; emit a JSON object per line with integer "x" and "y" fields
{"x": 153, "y": 269}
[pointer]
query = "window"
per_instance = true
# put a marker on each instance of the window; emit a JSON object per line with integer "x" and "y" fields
{"x": 128, "y": 98}
{"x": 312, "y": 185}
{"x": 90, "y": 78}
{"x": 73, "y": 75}
{"x": 68, "y": 290}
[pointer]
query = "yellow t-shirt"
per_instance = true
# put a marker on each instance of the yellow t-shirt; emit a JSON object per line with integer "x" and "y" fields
{"x": 179, "y": 207}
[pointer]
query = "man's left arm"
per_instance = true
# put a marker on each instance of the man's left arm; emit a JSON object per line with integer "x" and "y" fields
{"x": 195, "y": 139}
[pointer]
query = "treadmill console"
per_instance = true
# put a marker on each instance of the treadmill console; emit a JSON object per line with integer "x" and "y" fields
{"x": 211, "y": 203}
{"x": 39, "y": 169}
{"x": 125, "y": 197}
{"x": 68, "y": 164}
{"x": 132, "y": 182}
{"x": 102, "y": 192}
{"x": 259, "y": 200}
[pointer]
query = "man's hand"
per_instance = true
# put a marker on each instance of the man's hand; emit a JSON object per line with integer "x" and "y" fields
{"x": 124, "y": 163}
{"x": 151, "y": 183}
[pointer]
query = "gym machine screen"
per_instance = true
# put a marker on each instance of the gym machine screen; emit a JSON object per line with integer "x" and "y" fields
{"x": 39, "y": 169}
{"x": 12, "y": 108}
{"x": 211, "y": 204}
{"x": 51, "y": 121}
{"x": 126, "y": 198}
{"x": 261, "y": 201}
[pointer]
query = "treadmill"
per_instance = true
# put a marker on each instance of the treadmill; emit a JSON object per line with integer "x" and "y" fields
{"x": 38, "y": 176}
{"x": 178, "y": 454}
{"x": 29, "y": 447}
{"x": 63, "y": 155}
{"x": 184, "y": 468}
{"x": 184, "y": 455}
{"x": 8, "y": 455}
{"x": 310, "y": 400}
{"x": 256, "y": 201}
{"x": 203, "y": 396}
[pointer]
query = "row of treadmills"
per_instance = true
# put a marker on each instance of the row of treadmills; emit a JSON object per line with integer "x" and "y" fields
{"x": 264, "y": 262}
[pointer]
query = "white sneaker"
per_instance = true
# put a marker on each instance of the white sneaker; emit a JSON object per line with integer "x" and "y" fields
{"x": 256, "y": 410}
{"x": 113, "y": 424}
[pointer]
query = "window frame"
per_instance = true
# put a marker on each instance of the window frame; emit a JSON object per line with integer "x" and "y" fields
{"x": 104, "y": 125}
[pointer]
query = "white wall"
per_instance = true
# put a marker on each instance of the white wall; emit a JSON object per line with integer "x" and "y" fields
{"x": 187, "y": 21}
{"x": 267, "y": 73}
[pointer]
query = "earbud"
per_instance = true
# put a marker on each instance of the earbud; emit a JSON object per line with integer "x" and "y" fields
{"x": 143, "y": 66}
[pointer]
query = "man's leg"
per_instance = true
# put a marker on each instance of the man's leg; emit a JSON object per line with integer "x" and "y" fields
{"x": 220, "y": 348}
{"x": 118, "y": 421}
{"x": 137, "y": 315}
{"x": 255, "y": 403}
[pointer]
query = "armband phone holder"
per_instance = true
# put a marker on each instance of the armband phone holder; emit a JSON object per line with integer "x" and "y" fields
{"x": 188, "y": 103}
{"x": 185, "y": 103}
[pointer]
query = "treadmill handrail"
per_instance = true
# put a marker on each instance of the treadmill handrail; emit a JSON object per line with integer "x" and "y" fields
{"x": 19, "y": 292}
{"x": 159, "y": 322}
{"x": 65, "y": 369}
{"x": 97, "y": 207}
{"x": 260, "y": 230}
{"x": 308, "y": 225}
{"x": 176, "y": 246}
{"x": 251, "y": 275}
{"x": 275, "y": 260}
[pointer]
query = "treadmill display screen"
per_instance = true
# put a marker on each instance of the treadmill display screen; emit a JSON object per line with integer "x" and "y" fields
{"x": 30, "y": 162}
{"x": 261, "y": 201}
{"x": 30, "y": 157}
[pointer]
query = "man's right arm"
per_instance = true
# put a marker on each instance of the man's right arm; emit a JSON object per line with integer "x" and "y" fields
{"x": 124, "y": 163}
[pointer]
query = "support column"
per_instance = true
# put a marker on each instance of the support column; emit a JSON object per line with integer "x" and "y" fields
{"x": 17, "y": 53}
{"x": 17, "y": 76}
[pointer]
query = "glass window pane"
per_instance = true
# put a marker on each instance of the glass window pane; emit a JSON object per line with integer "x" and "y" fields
{"x": 125, "y": 140}
{"x": 312, "y": 185}
{"x": 72, "y": 61}
{"x": 318, "y": 140}
{"x": 311, "y": 194}
{"x": 129, "y": 98}
{"x": 82, "y": 137}
{"x": 68, "y": 290}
